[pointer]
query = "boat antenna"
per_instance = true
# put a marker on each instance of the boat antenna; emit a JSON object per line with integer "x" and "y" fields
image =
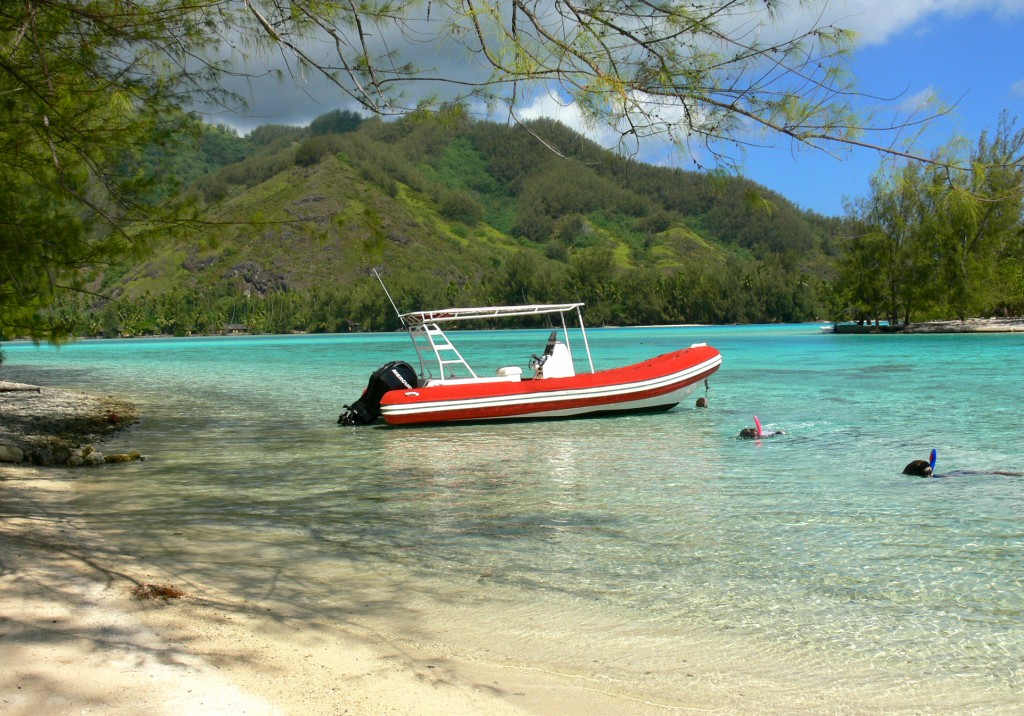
{"x": 386, "y": 293}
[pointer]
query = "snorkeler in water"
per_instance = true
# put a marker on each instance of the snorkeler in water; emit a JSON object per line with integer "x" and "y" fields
{"x": 926, "y": 468}
{"x": 756, "y": 433}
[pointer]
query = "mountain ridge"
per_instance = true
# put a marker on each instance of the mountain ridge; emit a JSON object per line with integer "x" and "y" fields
{"x": 474, "y": 212}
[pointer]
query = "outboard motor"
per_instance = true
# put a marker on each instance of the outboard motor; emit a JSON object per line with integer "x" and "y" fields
{"x": 390, "y": 376}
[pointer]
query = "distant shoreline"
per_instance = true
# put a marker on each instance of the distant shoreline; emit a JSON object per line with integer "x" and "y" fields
{"x": 971, "y": 325}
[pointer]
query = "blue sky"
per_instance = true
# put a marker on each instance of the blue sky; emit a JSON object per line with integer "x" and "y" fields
{"x": 973, "y": 59}
{"x": 967, "y": 53}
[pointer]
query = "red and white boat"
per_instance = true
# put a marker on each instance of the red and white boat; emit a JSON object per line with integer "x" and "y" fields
{"x": 446, "y": 389}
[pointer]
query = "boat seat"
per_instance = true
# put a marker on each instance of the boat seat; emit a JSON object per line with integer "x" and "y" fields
{"x": 510, "y": 371}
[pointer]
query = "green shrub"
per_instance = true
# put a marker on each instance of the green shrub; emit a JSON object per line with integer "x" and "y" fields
{"x": 460, "y": 205}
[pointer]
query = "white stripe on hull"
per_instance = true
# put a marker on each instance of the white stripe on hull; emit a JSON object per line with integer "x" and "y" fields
{"x": 537, "y": 400}
{"x": 660, "y": 401}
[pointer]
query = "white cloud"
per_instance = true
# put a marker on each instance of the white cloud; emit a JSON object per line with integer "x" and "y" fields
{"x": 917, "y": 102}
{"x": 1017, "y": 89}
{"x": 879, "y": 21}
{"x": 650, "y": 144}
{"x": 548, "y": 104}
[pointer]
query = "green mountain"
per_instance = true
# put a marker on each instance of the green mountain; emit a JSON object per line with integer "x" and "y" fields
{"x": 454, "y": 211}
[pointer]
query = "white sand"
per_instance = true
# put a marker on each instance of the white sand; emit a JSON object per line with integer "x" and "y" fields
{"x": 73, "y": 639}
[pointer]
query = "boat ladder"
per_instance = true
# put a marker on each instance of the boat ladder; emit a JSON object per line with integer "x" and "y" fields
{"x": 434, "y": 348}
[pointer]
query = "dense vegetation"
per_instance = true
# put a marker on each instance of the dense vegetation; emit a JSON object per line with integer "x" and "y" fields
{"x": 934, "y": 242}
{"x": 456, "y": 212}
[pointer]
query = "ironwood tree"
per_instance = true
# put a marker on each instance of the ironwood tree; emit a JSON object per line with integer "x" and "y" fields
{"x": 945, "y": 239}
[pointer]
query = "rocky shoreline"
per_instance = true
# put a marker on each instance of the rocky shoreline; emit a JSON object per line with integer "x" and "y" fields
{"x": 50, "y": 427}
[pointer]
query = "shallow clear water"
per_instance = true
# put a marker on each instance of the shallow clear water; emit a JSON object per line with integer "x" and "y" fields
{"x": 603, "y": 546}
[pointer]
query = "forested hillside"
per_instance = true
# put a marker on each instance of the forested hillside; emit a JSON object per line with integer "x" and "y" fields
{"x": 454, "y": 211}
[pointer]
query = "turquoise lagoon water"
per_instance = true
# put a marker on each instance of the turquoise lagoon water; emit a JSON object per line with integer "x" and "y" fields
{"x": 653, "y": 555}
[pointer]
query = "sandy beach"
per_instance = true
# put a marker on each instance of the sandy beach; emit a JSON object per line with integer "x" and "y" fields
{"x": 74, "y": 640}
{"x": 74, "y": 637}
{"x": 971, "y": 325}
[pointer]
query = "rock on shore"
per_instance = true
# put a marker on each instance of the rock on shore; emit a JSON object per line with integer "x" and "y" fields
{"x": 48, "y": 427}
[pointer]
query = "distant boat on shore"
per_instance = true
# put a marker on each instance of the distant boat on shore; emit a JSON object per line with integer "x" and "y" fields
{"x": 864, "y": 327}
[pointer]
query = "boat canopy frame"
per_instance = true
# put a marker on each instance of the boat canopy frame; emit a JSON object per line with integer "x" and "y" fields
{"x": 428, "y": 338}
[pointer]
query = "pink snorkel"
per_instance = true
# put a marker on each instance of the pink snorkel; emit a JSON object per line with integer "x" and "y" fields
{"x": 760, "y": 433}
